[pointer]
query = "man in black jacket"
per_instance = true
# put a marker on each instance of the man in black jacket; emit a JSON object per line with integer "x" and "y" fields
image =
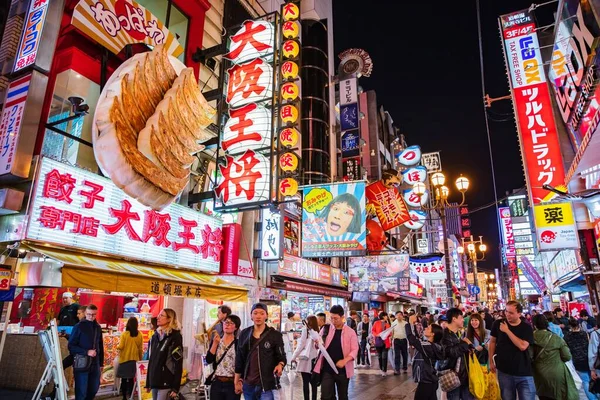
{"x": 455, "y": 350}
{"x": 259, "y": 358}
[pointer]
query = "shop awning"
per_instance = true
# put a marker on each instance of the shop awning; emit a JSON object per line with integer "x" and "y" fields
{"x": 115, "y": 275}
{"x": 293, "y": 286}
{"x": 574, "y": 281}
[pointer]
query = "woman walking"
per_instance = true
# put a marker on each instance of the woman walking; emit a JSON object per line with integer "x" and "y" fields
{"x": 222, "y": 357}
{"x": 553, "y": 381}
{"x": 130, "y": 351}
{"x": 479, "y": 336}
{"x": 578, "y": 343}
{"x": 427, "y": 354}
{"x": 382, "y": 346}
{"x": 165, "y": 366}
{"x": 305, "y": 355}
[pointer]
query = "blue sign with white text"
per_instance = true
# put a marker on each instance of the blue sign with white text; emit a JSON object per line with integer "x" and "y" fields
{"x": 349, "y": 117}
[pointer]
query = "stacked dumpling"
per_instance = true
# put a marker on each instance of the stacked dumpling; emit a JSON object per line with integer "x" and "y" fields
{"x": 150, "y": 121}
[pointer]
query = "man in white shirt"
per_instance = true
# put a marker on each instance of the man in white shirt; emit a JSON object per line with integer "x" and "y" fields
{"x": 400, "y": 344}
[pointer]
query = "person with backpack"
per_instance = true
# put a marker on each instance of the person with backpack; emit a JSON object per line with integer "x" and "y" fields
{"x": 222, "y": 357}
{"x": 305, "y": 356}
{"x": 259, "y": 358}
{"x": 427, "y": 354}
{"x": 578, "y": 343}
{"x": 382, "y": 345}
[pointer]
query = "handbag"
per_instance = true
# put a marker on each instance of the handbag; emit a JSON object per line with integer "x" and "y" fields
{"x": 477, "y": 382}
{"x": 83, "y": 362}
{"x": 210, "y": 378}
{"x": 449, "y": 379}
{"x": 379, "y": 342}
{"x": 305, "y": 353}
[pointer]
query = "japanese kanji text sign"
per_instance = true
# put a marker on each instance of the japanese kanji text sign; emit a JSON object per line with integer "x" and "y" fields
{"x": 75, "y": 208}
{"x": 537, "y": 130}
{"x": 508, "y": 239}
{"x": 117, "y": 23}
{"x": 390, "y": 208}
{"x": 429, "y": 267}
{"x": 31, "y": 37}
{"x": 271, "y": 235}
{"x": 409, "y": 156}
{"x": 432, "y": 161}
{"x": 295, "y": 267}
{"x": 11, "y": 121}
{"x": 174, "y": 288}
{"x": 556, "y": 228}
{"x": 334, "y": 220}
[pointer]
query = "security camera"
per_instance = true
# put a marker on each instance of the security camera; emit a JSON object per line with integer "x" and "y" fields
{"x": 77, "y": 105}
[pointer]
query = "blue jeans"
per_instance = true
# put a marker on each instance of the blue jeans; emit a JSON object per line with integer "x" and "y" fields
{"x": 87, "y": 383}
{"x": 252, "y": 392}
{"x": 511, "y": 385}
{"x": 223, "y": 390}
{"x": 461, "y": 393}
{"x": 586, "y": 378}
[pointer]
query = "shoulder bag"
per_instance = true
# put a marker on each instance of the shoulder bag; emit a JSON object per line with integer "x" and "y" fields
{"x": 315, "y": 377}
{"x": 379, "y": 342}
{"x": 210, "y": 378}
{"x": 449, "y": 379}
{"x": 83, "y": 362}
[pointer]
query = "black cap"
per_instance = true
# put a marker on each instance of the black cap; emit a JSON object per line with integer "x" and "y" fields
{"x": 260, "y": 306}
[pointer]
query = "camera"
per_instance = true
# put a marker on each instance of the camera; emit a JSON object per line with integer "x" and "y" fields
{"x": 78, "y": 105}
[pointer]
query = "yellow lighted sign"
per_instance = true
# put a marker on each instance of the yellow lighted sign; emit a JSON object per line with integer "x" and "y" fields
{"x": 289, "y": 114}
{"x": 290, "y": 91}
{"x": 290, "y": 12}
{"x": 289, "y": 137}
{"x": 290, "y": 29}
{"x": 288, "y": 187}
{"x": 288, "y": 162}
{"x": 291, "y": 49}
{"x": 289, "y": 70}
{"x": 557, "y": 214}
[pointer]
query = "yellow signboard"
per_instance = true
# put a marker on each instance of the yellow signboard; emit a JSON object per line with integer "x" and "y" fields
{"x": 560, "y": 214}
{"x": 556, "y": 228}
{"x": 117, "y": 23}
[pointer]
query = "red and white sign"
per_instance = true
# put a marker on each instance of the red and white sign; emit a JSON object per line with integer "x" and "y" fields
{"x": 255, "y": 39}
{"x": 539, "y": 138}
{"x": 410, "y": 156}
{"x": 248, "y": 128}
{"x": 414, "y": 200}
{"x": 507, "y": 232}
{"x": 244, "y": 179}
{"x": 75, "y": 208}
{"x": 33, "y": 25}
{"x": 250, "y": 82}
{"x": 5, "y": 276}
{"x": 414, "y": 175}
{"x": 11, "y": 120}
{"x": 295, "y": 267}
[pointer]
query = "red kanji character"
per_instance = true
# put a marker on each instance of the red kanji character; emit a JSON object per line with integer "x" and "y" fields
{"x": 287, "y": 67}
{"x": 187, "y": 236}
{"x": 286, "y": 135}
{"x": 413, "y": 176}
{"x": 89, "y": 226}
{"x": 289, "y": 45}
{"x": 211, "y": 243}
{"x": 39, "y": 3}
{"x": 288, "y": 25}
{"x": 247, "y": 37}
{"x": 51, "y": 217}
{"x": 238, "y": 172}
{"x": 75, "y": 218}
{"x": 414, "y": 198}
{"x": 290, "y": 9}
{"x": 288, "y": 89}
{"x": 286, "y": 112}
{"x": 156, "y": 226}
{"x": 92, "y": 195}
{"x": 244, "y": 78}
{"x": 286, "y": 160}
{"x": 434, "y": 269}
{"x": 426, "y": 270}
{"x": 409, "y": 156}
{"x": 124, "y": 217}
{"x": 59, "y": 186}
{"x": 239, "y": 127}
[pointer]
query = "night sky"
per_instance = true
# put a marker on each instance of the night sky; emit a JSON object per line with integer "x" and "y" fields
{"x": 426, "y": 74}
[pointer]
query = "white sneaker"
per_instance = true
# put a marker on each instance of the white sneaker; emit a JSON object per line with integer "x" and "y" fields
{"x": 383, "y": 373}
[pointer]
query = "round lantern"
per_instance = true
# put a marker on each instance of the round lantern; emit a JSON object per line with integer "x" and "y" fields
{"x": 291, "y": 49}
{"x": 289, "y": 137}
{"x": 290, "y": 91}
{"x": 289, "y": 114}
{"x": 290, "y": 12}
{"x": 290, "y": 29}
{"x": 288, "y": 162}
{"x": 289, "y": 70}
{"x": 288, "y": 187}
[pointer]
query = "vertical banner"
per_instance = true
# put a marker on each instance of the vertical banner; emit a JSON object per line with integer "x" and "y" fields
{"x": 272, "y": 235}
{"x": 334, "y": 220}
{"x": 11, "y": 120}
{"x": 537, "y": 131}
{"x": 33, "y": 26}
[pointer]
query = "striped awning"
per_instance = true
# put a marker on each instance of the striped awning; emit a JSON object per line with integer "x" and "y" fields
{"x": 115, "y": 275}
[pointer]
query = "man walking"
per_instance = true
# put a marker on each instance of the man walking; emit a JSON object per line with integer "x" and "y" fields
{"x": 259, "y": 358}
{"x": 86, "y": 340}
{"x": 400, "y": 344}
{"x": 341, "y": 344}
{"x": 510, "y": 341}
{"x": 364, "y": 331}
{"x": 455, "y": 350}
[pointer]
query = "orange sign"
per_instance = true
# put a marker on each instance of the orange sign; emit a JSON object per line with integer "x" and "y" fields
{"x": 289, "y": 70}
{"x": 291, "y": 49}
{"x": 288, "y": 162}
{"x": 290, "y": 29}
{"x": 290, "y": 91}
{"x": 289, "y": 114}
{"x": 290, "y": 12}
{"x": 289, "y": 137}
{"x": 390, "y": 208}
{"x": 288, "y": 187}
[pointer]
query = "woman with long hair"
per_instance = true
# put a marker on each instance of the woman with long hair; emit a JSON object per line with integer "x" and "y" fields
{"x": 479, "y": 336}
{"x": 550, "y": 373}
{"x": 305, "y": 356}
{"x": 222, "y": 356}
{"x": 130, "y": 351}
{"x": 382, "y": 346}
{"x": 165, "y": 366}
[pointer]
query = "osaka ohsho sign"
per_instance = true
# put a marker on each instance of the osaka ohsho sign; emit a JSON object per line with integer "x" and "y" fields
{"x": 75, "y": 208}
{"x": 537, "y": 130}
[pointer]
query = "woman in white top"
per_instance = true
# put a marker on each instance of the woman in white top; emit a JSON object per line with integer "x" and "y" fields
{"x": 222, "y": 356}
{"x": 305, "y": 354}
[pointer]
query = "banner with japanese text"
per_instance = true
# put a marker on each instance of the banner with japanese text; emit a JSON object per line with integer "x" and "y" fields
{"x": 556, "y": 227}
{"x": 334, "y": 220}
{"x": 379, "y": 274}
{"x": 75, "y": 208}
{"x": 535, "y": 121}
{"x": 428, "y": 266}
{"x": 388, "y": 204}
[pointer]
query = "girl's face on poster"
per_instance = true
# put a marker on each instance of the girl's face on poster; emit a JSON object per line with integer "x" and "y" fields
{"x": 339, "y": 218}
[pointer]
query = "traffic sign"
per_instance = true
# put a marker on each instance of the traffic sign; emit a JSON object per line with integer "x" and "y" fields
{"x": 474, "y": 290}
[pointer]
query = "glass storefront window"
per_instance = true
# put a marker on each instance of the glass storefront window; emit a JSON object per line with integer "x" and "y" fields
{"x": 70, "y": 83}
{"x": 178, "y": 25}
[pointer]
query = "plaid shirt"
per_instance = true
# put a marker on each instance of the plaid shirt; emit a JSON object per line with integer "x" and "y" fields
{"x": 555, "y": 329}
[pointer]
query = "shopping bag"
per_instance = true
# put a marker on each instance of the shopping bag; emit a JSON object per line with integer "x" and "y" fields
{"x": 492, "y": 387}
{"x": 575, "y": 375}
{"x": 477, "y": 383}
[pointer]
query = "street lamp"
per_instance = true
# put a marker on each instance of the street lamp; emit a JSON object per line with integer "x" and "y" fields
{"x": 472, "y": 255}
{"x": 440, "y": 203}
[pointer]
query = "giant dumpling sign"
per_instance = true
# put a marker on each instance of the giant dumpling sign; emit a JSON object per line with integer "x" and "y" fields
{"x": 150, "y": 120}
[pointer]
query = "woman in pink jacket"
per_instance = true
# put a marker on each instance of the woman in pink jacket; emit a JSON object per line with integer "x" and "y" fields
{"x": 341, "y": 344}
